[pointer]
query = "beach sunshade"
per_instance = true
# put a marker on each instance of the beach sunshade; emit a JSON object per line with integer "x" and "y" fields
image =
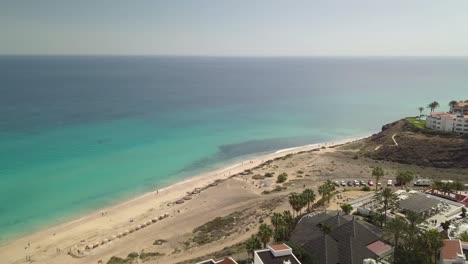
{"x": 161, "y": 217}
{"x": 154, "y": 220}
{"x": 120, "y": 235}
{"x": 113, "y": 237}
{"x": 89, "y": 246}
{"x": 96, "y": 245}
{"x": 149, "y": 223}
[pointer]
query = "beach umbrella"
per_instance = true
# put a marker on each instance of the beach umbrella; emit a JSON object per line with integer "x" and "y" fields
{"x": 89, "y": 247}
{"x": 113, "y": 237}
{"x": 138, "y": 227}
{"x": 119, "y": 235}
{"x": 161, "y": 217}
{"x": 96, "y": 245}
{"x": 155, "y": 220}
{"x": 126, "y": 232}
{"x": 149, "y": 223}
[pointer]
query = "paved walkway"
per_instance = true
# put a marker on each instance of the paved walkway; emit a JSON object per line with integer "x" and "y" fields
{"x": 393, "y": 137}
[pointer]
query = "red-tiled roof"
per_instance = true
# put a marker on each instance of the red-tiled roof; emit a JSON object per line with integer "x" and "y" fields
{"x": 451, "y": 249}
{"x": 379, "y": 247}
{"x": 279, "y": 247}
{"x": 227, "y": 261}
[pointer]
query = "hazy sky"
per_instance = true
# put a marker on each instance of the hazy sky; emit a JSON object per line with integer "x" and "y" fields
{"x": 236, "y": 27}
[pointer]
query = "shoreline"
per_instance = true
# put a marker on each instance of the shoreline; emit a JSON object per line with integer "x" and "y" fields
{"x": 167, "y": 193}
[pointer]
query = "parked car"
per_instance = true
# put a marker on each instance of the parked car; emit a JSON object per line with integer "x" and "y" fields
{"x": 362, "y": 183}
{"x": 389, "y": 183}
{"x": 343, "y": 183}
{"x": 379, "y": 184}
{"x": 350, "y": 183}
{"x": 370, "y": 183}
{"x": 356, "y": 183}
{"x": 336, "y": 183}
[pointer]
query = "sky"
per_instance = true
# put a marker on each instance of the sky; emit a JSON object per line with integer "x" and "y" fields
{"x": 235, "y": 27}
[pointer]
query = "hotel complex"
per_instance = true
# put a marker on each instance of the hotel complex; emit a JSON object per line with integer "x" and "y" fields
{"x": 454, "y": 121}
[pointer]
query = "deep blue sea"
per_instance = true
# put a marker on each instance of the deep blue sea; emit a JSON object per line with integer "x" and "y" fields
{"x": 81, "y": 133}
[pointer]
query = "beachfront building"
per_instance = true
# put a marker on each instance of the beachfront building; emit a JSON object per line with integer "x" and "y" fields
{"x": 441, "y": 121}
{"x": 349, "y": 240}
{"x": 275, "y": 254}
{"x": 461, "y": 124}
{"x": 460, "y": 108}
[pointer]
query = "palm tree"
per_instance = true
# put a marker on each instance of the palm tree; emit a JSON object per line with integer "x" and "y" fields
{"x": 377, "y": 172}
{"x": 276, "y": 220}
{"x": 452, "y": 104}
{"x": 264, "y": 234}
{"x": 347, "y": 208}
{"x": 414, "y": 219}
{"x": 309, "y": 196}
{"x": 433, "y": 243}
{"x": 421, "y": 109}
{"x": 252, "y": 244}
{"x": 458, "y": 186}
{"x": 326, "y": 190}
{"x": 436, "y": 186}
{"x": 433, "y": 106}
{"x": 394, "y": 230}
{"x": 388, "y": 200}
{"x": 297, "y": 202}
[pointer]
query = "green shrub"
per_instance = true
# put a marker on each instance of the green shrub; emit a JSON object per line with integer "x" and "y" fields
{"x": 269, "y": 174}
{"x": 282, "y": 177}
{"x": 365, "y": 189}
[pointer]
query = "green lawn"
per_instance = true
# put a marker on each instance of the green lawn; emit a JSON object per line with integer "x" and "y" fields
{"x": 417, "y": 123}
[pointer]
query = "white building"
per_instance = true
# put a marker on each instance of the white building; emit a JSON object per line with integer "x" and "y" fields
{"x": 441, "y": 121}
{"x": 461, "y": 124}
{"x": 460, "y": 108}
{"x": 275, "y": 254}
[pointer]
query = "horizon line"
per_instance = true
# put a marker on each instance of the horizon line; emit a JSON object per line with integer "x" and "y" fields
{"x": 227, "y": 56}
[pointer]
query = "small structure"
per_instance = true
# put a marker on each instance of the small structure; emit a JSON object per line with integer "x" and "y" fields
{"x": 275, "y": 254}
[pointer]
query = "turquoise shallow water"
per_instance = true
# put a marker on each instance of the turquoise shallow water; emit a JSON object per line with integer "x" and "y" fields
{"x": 81, "y": 133}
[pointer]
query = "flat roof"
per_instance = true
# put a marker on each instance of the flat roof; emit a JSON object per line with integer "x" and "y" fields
{"x": 418, "y": 203}
{"x": 268, "y": 258}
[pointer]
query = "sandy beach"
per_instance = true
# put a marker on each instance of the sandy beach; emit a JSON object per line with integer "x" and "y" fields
{"x": 169, "y": 215}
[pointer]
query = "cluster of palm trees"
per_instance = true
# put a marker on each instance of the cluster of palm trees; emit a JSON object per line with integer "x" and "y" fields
{"x": 283, "y": 225}
{"x": 410, "y": 243}
{"x": 434, "y": 105}
{"x": 447, "y": 187}
{"x": 326, "y": 190}
{"x": 388, "y": 201}
{"x": 299, "y": 201}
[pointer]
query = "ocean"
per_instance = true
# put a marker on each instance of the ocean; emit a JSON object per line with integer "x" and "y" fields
{"x": 79, "y": 133}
